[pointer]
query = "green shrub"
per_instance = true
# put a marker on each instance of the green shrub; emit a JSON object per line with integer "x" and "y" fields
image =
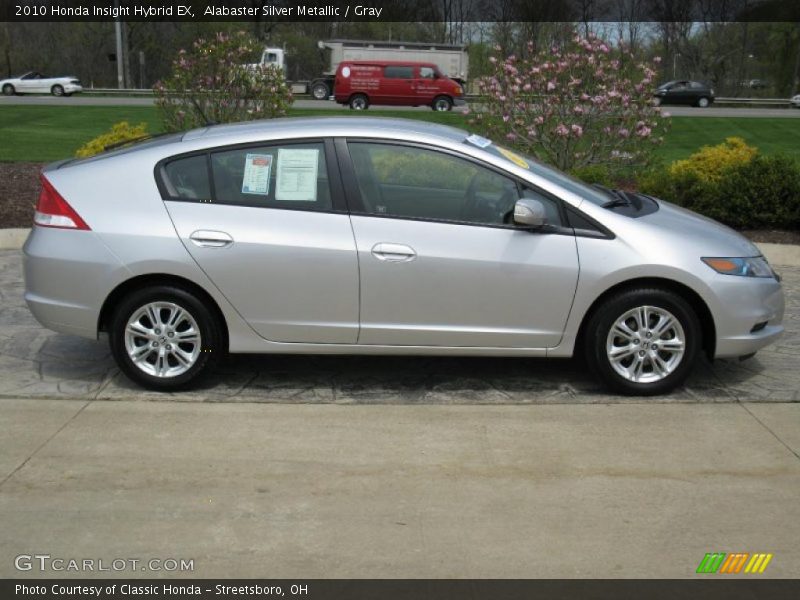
{"x": 711, "y": 163}
{"x": 119, "y": 132}
{"x": 763, "y": 192}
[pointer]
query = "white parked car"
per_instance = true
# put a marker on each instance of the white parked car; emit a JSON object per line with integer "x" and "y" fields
{"x": 36, "y": 83}
{"x": 795, "y": 101}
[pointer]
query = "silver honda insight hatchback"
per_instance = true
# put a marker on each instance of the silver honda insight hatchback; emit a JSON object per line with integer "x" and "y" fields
{"x": 382, "y": 236}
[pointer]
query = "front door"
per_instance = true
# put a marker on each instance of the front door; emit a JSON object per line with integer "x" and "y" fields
{"x": 271, "y": 236}
{"x": 440, "y": 266}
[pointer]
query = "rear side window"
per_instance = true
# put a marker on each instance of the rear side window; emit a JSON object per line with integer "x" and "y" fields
{"x": 398, "y": 72}
{"x": 188, "y": 178}
{"x": 293, "y": 176}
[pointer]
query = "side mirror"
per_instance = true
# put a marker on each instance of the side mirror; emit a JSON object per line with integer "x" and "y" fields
{"x": 530, "y": 212}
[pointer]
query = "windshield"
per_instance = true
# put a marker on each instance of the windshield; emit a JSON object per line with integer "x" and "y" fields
{"x": 568, "y": 182}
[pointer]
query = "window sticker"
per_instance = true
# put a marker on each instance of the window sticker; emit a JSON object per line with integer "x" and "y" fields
{"x": 480, "y": 142}
{"x": 257, "y": 168}
{"x": 296, "y": 176}
{"x": 515, "y": 158}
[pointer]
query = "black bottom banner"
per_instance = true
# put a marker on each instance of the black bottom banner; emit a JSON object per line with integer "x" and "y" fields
{"x": 405, "y": 589}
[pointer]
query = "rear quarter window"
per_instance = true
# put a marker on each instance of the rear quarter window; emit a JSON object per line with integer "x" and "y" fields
{"x": 187, "y": 178}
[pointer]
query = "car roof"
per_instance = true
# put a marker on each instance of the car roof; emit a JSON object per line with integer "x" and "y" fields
{"x": 324, "y": 127}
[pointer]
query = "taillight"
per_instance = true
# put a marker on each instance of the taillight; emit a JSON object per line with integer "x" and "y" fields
{"x": 53, "y": 211}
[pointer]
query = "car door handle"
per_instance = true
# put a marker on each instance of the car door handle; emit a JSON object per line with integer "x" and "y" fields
{"x": 211, "y": 239}
{"x": 393, "y": 252}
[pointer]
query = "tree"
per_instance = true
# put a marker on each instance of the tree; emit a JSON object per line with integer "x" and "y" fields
{"x": 573, "y": 107}
{"x": 215, "y": 81}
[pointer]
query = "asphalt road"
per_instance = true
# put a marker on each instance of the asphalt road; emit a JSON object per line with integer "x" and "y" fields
{"x": 677, "y": 111}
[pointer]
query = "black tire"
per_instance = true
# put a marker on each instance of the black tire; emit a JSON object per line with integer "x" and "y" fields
{"x": 8, "y": 90}
{"x": 442, "y": 104}
{"x": 57, "y": 90}
{"x": 211, "y": 337}
{"x": 320, "y": 91}
{"x": 703, "y": 102}
{"x": 359, "y": 102}
{"x": 603, "y": 319}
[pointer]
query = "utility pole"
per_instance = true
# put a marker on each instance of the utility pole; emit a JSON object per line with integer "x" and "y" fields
{"x": 120, "y": 64}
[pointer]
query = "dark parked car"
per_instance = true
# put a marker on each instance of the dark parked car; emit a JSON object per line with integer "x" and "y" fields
{"x": 693, "y": 93}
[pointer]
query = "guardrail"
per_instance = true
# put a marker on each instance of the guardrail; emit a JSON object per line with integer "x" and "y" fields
{"x": 777, "y": 102}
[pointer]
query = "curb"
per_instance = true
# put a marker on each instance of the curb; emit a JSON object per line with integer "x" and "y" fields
{"x": 779, "y": 255}
{"x": 12, "y": 239}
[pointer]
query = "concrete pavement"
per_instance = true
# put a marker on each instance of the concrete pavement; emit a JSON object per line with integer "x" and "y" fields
{"x": 253, "y": 490}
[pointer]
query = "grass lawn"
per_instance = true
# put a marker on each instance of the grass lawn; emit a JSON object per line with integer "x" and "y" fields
{"x": 46, "y": 133}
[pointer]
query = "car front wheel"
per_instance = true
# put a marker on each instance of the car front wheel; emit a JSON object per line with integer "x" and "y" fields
{"x": 164, "y": 338}
{"x": 8, "y": 90}
{"x": 359, "y": 102}
{"x": 643, "y": 341}
{"x": 703, "y": 102}
{"x": 57, "y": 90}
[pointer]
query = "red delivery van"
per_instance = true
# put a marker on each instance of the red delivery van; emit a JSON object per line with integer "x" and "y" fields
{"x": 395, "y": 83}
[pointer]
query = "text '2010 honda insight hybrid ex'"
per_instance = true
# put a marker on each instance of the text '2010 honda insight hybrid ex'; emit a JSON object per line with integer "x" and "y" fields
{"x": 382, "y": 236}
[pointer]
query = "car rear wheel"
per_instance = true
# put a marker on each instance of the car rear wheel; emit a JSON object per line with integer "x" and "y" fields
{"x": 643, "y": 341}
{"x": 164, "y": 338}
{"x": 320, "y": 91}
{"x": 703, "y": 102}
{"x": 442, "y": 104}
{"x": 656, "y": 101}
{"x": 359, "y": 102}
{"x": 57, "y": 90}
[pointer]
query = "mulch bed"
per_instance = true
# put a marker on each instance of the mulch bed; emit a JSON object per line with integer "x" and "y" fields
{"x": 19, "y": 191}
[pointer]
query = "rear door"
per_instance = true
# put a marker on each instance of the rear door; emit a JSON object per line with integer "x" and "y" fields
{"x": 269, "y": 228}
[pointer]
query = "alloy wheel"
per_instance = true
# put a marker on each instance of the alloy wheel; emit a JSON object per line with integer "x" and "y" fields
{"x": 646, "y": 344}
{"x": 162, "y": 339}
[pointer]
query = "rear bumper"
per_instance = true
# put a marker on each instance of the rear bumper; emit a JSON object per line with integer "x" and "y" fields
{"x": 72, "y": 88}
{"x": 66, "y": 279}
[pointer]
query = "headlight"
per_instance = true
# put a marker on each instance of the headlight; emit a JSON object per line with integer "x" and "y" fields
{"x": 745, "y": 267}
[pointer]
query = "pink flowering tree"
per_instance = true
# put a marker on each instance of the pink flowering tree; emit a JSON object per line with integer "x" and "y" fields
{"x": 218, "y": 80}
{"x": 582, "y": 105}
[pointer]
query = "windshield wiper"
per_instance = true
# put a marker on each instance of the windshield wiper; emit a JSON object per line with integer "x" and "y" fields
{"x": 618, "y": 197}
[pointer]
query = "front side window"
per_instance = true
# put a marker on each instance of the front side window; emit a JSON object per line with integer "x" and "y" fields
{"x": 398, "y": 72}
{"x": 417, "y": 183}
{"x": 427, "y": 73}
{"x": 291, "y": 176}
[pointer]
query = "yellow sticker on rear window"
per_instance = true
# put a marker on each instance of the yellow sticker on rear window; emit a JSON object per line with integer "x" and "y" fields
{"x": 515, "y": 158}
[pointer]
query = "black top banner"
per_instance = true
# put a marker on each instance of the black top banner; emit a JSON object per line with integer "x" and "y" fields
{"x": 402, "y": 10}
{"x": 410, "y": 589}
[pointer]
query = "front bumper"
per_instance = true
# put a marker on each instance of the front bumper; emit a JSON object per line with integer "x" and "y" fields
{"x": 748, "y": 314}
{"x": 459, "y": 102}
{"x": 71, "y": 88}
